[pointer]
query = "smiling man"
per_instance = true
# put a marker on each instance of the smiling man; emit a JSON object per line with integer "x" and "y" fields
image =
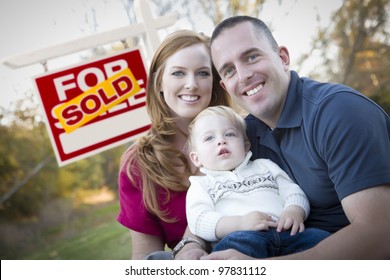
{"x": 333, "y": 141}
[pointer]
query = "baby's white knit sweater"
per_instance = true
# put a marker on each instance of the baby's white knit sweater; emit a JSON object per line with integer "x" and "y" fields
{"x": 259, "y": 185}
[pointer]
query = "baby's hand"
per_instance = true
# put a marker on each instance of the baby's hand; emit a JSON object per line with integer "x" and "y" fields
{"x": 256, "y": 221}
{"x": 292, "y": 217}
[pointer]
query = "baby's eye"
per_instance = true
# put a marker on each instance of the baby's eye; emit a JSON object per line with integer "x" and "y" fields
{"x": 230, "y": 134}
{"x": 208, "y": 138}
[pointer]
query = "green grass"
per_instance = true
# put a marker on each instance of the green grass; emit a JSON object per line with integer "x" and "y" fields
{"x": 93, "y": 234}
{"x": 107, "y": 241}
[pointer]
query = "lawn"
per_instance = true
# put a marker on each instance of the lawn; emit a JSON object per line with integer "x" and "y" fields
{"x": 91, "y": 234}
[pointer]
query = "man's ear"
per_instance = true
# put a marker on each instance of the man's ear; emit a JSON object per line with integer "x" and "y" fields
{"x": 222, "y": 84}
{"x": 285, "y": 56}
{"x": 195, "y": 159}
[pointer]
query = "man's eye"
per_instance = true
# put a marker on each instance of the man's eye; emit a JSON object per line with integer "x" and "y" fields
{"x": 229, "y": 72}
{"x": 252, "y": 57}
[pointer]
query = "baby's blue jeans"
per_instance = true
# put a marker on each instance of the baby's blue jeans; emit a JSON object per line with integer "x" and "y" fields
{"x": 264, "y": 244}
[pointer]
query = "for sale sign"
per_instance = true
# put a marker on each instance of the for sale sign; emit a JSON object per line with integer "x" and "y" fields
{"x": 94, "y": 106}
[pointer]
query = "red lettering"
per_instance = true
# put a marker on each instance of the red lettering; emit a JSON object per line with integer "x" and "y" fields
{"x": 122, "y": 80}
{"x": 106, "y": 100}
{"x": 72, "y": 114}
{"x": 90, "y": 110}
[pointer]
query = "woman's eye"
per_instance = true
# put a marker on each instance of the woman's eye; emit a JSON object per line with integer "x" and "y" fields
{"x": 204, "y": 73}
{"x": 178, "y": 73}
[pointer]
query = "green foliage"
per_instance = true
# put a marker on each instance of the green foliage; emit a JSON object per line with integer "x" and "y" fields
{"x": 24, "y": 144}
{"x": 356, "y": 48}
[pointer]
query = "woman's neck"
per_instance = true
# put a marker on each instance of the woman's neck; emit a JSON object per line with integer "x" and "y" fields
{"x": 180, "y": 138}
{"x": 182, "y": 124}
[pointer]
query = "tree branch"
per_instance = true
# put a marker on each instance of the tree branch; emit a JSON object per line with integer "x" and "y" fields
{"x": 20, "y": 184}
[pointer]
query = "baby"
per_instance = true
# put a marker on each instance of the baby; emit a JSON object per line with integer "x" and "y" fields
{"x": 224, "y": 205}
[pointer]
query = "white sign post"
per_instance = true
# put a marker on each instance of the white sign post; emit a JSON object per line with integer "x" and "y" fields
{"x": 147, "y": 25}
{"x": 99, "y": 104}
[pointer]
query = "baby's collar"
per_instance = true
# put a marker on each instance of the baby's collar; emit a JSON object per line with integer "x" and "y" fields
{"x": 204, "y": 170}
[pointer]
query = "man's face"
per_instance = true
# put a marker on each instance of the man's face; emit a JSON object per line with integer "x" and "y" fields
{"x": 255, "y": 75}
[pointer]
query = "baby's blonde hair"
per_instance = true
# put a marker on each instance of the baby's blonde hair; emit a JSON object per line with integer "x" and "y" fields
{"x": 223, "y": 111}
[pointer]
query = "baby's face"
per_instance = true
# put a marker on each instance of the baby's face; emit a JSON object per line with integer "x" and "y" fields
{"x": 219, "y": 145}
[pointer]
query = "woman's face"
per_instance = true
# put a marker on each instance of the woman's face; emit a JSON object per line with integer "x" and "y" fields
{"x": 187, "y": 81}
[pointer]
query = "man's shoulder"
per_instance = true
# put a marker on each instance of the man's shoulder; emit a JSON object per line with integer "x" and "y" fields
{"x": 316, "y": 92}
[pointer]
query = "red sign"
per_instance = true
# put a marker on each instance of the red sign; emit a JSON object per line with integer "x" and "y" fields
{"x": 94, "y": 106}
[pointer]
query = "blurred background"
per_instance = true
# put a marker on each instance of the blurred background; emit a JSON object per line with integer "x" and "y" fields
{"x": 47, "y": 212}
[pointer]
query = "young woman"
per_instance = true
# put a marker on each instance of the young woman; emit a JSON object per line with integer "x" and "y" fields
{"x": 153, "y": 179}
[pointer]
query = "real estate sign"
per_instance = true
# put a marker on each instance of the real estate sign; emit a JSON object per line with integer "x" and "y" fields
{"x": 94, "y": 106}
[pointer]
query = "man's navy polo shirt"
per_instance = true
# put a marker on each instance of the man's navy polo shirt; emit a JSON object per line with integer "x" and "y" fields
{"x": 331, "y": 140}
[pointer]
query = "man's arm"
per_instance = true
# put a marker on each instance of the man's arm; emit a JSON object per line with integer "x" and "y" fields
{"x": 365, "y": 238}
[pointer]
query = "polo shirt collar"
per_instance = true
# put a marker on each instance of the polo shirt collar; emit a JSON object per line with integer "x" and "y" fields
{"x": 292, "y": 111}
